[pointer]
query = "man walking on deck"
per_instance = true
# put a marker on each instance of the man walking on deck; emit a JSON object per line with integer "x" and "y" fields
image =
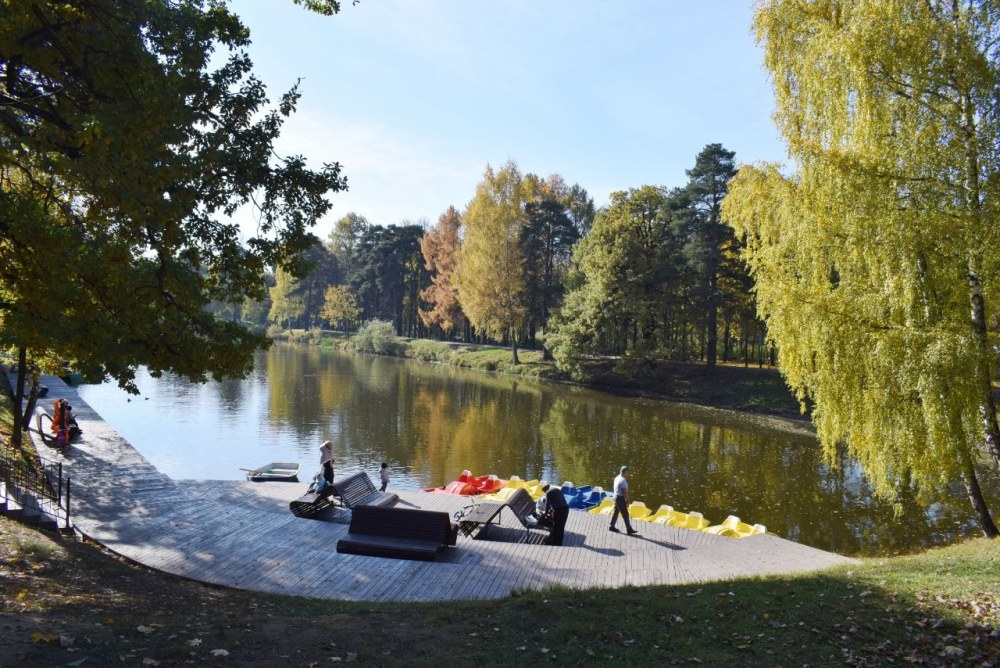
{"x": 621, "y": 502}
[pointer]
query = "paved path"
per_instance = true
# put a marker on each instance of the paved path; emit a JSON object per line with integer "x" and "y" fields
{"x": 241, "y": 534}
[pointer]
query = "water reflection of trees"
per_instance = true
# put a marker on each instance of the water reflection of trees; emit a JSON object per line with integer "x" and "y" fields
{"x": 762, "y": 475}
{"x": 436, "y": 421}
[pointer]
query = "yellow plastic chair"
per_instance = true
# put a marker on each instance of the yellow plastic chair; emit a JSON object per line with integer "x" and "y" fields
{"x": 637, "y": 510}
{"x": 662, "y": 515}
{"x": 605, "y": 507}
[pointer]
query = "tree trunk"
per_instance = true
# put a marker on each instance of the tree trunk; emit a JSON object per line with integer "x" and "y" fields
{"x": 712, "y": 344}
{"x": 22, "y": 363}
{"x": 726, "y": 337}
{"x": 976, "y": 497}
{"x": 987, "y": 406}
{"x": 29, "y": 407}
{"x": 513, "y": 348}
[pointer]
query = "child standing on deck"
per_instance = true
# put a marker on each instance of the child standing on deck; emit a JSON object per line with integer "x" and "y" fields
{"x": 383, "y": 475}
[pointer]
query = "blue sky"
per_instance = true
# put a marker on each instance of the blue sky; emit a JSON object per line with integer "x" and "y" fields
{"x": 415, "y": 98}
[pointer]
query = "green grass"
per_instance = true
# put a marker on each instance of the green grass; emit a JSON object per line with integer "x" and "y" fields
{"x": 939, "y": 608}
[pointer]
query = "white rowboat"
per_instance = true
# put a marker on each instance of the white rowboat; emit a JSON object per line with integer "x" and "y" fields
{"x": 274, "y": 471}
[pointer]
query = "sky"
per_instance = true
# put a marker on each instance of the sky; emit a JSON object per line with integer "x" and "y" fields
{"x": 414, "y": 98}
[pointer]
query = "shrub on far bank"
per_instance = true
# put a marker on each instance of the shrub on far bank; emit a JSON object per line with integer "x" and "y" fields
{"x": 376, "y": 336}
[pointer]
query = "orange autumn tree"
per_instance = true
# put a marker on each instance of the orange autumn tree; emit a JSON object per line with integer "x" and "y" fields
{"x": 440, "y": 248}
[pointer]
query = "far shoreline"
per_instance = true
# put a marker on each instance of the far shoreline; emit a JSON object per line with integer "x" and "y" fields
{"x": 758, "y": 393}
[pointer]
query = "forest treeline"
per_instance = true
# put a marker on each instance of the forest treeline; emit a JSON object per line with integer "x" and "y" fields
{"x": 530, "y": 262}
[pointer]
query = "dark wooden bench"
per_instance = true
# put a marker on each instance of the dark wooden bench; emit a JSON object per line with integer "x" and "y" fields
{"x": 523, "y": 506}
{"x": 359, "y": 490}
{"x": 400, "y": 533}
{"x": 354, "y": 490}
{"x": 311, "y": 503}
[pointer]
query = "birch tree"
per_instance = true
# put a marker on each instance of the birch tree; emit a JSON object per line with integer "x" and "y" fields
{"x": 490, "y": 273}
{"x": 875, "y": 262}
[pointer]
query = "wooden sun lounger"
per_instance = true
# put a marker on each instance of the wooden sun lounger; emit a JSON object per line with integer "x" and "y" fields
{"x": 359, "y": 490}
{"x": 352, "y": 491}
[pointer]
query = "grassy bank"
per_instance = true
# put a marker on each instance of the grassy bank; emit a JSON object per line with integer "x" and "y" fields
{"x": 750, "y": 389}
{"x": 65, "y": 602}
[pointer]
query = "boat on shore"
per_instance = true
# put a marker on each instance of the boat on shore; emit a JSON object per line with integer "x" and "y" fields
{"x": 274, "y": 471}
{"x": 470, "y": 485}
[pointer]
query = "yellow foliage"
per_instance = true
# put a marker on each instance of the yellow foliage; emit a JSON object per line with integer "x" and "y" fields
{"x": 490, "y": 271}
{"x": 868, "y": 259}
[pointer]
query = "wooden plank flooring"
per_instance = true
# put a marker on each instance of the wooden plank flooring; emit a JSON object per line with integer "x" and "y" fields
{"x": 241, "y": 534}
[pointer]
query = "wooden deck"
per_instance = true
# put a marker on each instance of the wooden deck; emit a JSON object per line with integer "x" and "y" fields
{"x": 241, "y": 534}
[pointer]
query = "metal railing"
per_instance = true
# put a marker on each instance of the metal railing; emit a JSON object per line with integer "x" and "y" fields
{"x": 40, "y": 488}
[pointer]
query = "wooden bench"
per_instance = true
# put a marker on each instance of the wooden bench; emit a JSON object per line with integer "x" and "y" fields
{"x": 359, "y": 490}
{"x": 311, "y": 503}
{"x": 522, "y": 505}
{"x": 355, "y": 490}
{"x": 400, "y": 533}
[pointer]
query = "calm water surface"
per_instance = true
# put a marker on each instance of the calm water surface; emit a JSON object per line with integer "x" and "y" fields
{"x": 430, "y": 422}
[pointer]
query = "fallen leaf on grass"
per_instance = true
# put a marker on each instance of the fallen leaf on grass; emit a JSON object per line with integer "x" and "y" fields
{"x": 38, "y": 637}
{"x": 951, "y": 652}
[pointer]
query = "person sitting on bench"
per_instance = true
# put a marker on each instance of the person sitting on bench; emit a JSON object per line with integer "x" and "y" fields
{"x": 558, "y": 510}
{"x": 542, "y": 513}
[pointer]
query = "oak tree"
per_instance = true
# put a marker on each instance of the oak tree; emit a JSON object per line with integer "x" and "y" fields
{"x": 130, "y": 133}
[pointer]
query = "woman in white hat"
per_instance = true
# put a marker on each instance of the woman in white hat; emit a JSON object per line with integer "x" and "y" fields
{"x": 326, "y": 461}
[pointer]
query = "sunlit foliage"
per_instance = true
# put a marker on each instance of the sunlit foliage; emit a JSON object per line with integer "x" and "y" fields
{"x": 876, "y": 262}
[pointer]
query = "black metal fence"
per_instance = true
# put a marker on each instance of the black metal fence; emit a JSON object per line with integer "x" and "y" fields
{"x": 37, "y": 488}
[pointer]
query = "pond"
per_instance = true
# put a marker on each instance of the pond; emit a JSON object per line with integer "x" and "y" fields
{"x": 431, "y": 422}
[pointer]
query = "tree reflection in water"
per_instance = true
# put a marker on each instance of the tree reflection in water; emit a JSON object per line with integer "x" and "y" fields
{"x": 430, "y": 422}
